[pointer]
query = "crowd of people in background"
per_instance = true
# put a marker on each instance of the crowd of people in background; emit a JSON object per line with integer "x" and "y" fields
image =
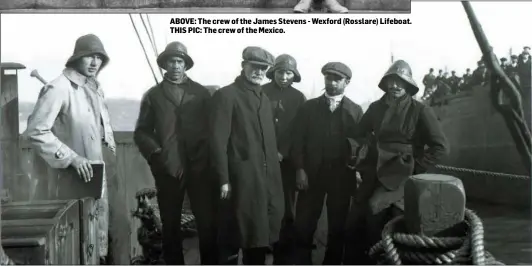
{"x": 518, "y": 69}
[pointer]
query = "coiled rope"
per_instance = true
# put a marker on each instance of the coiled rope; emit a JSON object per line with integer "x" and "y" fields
{"x": 479, "y": 172}
{"x": 399, "y": 248}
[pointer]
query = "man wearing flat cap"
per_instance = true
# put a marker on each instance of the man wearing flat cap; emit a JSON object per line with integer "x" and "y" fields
{"x": 525, "y": 71}
{"x": 401, "y": 128}
{"x": 512, "y": 70}
{"x": 246, "y": 163}
{"x": 69, "y": 125}
{"x": 171, "y": 134}
{"x": 320, "y": 153}
{"x": 285, "y": 101}
{"x": 467, "y": 77}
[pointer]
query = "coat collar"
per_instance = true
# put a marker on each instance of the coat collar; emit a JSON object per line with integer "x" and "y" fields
{"x": 345, "y": 102}
{"x": 76, "y": 77}
{"x": 243, "y": 83}
{"x": 80, "y": 80}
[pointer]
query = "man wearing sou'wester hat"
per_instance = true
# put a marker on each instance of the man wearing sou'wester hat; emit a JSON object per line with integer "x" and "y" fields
{"x": 285, "y": 101}
{"x": 171, "y": 134}
{"x": 320, "y": 155}
{"x": 401, "y": 127}
{"x": 246, "y": 164}
{"x": 69, "y": 125}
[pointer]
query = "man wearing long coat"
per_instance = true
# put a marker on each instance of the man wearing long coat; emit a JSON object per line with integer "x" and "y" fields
{"x": 171, "y": 134}
{"x": 397, "y": 128}
{"x": 69, "y": 124}
{"x": 320, "y": 154}
{"x": 245, "y": 161}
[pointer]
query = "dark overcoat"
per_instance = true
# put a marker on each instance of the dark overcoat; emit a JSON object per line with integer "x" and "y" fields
{"x": 285, "y": 104}
{"x": 244, "y": 154}
{"x": 399, "y": 136}
{"x": 310, "y": 136}
{"x": 178, "y": 128}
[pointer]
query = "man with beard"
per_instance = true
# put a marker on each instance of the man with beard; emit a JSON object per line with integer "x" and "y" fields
{"x": 401, "y": 127}
{"x": 320, "y": 154}
{"x": 246, "y": 163}
{"x": 70, "y": 123}
{"x": 171, "y": 134}
{"x": 285, "y": 101}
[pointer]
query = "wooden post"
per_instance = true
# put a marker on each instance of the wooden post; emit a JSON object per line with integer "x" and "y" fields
{"x": 433, "y": 203}
{"x": 9, "y": 129}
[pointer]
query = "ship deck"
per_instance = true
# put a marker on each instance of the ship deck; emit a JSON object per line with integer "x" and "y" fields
{"x": 507, "y": 235}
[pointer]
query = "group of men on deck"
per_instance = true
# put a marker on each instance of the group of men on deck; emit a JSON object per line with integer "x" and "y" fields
{"x": 518, "y": 69}
{"x": 243, "y": 153}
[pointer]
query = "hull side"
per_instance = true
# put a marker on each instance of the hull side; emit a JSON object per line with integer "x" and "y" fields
{"x": 480, "y": 140}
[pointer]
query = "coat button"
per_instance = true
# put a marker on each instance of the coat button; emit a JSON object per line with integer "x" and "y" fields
{"x": 92, "y": 137}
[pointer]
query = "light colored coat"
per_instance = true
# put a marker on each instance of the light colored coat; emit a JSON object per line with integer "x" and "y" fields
{"x": 65, "y": 124}
{"x": 71, "y": 119}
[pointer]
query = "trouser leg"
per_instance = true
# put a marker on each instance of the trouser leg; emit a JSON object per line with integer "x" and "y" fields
{"x": 357, "y": 237}
{"x": 203, "y": 195}
{"x": 254, "y": 256}
{"x": 338, "y": 200}
{"x": 284, "y": 248}
{"x": 170, "y": 195}
{"x": 308, "y": 211}
{"x": 377, "y": 221}
{"x": 228, "y": 255}
{"x": 228, "y": 243}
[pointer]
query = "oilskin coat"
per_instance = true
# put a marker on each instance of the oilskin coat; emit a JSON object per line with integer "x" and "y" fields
{"x": 397, "y": 149}
{"x": 244, "y": 154}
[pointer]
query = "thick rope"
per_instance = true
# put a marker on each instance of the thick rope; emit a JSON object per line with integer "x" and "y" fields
{"x": 397, "y": 248}
{"x": 480, "y": 172}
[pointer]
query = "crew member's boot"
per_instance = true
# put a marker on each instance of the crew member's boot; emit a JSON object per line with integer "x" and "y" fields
{"x": 303, "y": 6}
{"x": 334, "y": 7}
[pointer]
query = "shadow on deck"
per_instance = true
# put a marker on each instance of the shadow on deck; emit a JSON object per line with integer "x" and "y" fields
{"x": 508, "y": 233}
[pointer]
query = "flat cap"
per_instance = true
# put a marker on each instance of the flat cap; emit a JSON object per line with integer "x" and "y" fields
{"x": 337, "y": 68}
{"x": 514, "y": 56}
{"x": 257, "y": 55}
{"x": 504, "y": 59}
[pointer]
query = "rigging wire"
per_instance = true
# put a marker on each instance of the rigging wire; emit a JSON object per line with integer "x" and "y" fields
{"x": 151, "y": 31}
{"x": 143, "y": 48}
{"x": 151, "y": 37}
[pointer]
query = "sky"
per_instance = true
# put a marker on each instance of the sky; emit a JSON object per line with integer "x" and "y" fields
{"x": 440, "y": 37}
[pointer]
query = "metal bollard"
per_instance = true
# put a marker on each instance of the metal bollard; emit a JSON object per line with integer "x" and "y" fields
{"x": 436, "y": 227}
{"x": 433, "y": 203}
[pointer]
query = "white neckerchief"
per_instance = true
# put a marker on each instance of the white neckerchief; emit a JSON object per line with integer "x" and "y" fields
{"x": 334, "y": 101}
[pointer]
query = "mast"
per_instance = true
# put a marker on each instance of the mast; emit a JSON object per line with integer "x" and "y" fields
{"x": 391, "y": 52}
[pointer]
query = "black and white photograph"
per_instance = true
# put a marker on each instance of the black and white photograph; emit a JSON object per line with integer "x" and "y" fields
{"x": 212, "y": 6}
{"x": 173, "y": 139}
